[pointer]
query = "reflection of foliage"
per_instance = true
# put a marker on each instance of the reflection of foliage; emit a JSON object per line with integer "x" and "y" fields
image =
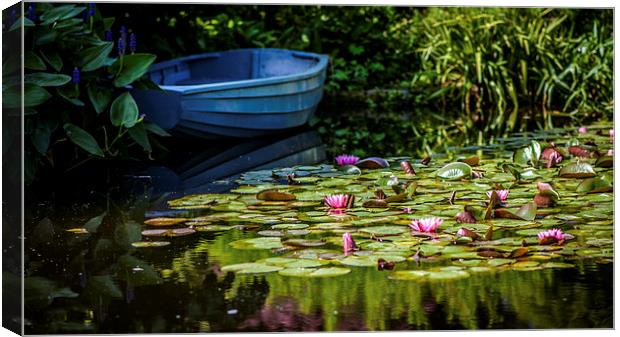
{"x": 458, "y": 303}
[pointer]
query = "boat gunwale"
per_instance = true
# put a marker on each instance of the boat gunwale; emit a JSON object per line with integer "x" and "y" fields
{"x": 249, "y": 83}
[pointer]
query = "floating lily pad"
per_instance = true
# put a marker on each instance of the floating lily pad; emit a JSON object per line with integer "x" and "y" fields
{"x": 251, "y": 268}
{"x": 372, "y": 163}
{"x": 146, "y": 244}
{"x": 385, "y": 230}
{"x": 257, "y": 243}
{"x": 454, "y": 171}
{"x": 595, "y": 185}
{"x": 311, "y": 272}
{"x": 577, "y": 170}
{"x": 164, "y": 221}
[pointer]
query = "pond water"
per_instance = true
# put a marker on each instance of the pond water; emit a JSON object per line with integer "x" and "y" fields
{"x": 235, "y": 259}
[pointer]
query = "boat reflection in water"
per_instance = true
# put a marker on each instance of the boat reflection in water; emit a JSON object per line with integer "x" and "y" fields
{"x": 215, "y": 170}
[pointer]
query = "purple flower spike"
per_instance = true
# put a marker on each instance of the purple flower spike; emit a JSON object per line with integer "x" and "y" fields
{"x": 91, "y": 9}
{"x": 32, "y": 12}
{"x": 346, "y": 159}
{"x": 551, "y": 236}
{"x": 132, "y": 42}
{"x": 75, "y": 75}
{"x": 121, "y": 46}
{"x": 348, "y": 243}
{"x": 108, "y": 35}
{"x": 426, "y": 225}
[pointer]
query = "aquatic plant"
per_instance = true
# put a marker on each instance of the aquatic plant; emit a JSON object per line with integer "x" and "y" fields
{"x": 426, "y": 225}
{"x": 582, "y": 130}
{"x": 550, "y": 236}
{"x": 348, "y": 243}
{"x": 465, "y": 217}
{"x": 346, "y": 159}
{"x": 339, "y": 201}
{"x": 502, "y": 194}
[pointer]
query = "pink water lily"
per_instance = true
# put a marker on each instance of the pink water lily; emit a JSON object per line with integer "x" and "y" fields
{"x": 551, "y": 236}
{"x": 611, "y": 133}
{"x": 348, "y": 243}
{"x": 346, "y": 159}
{"x": 582, "y": 129}
{"x": 610, "y": 152}
{"x": 408, "y": 210}
{"x": 502, "y": 194}
{"x": 339, "y": 201}
{"x": 552, "y": 156}
{"x": 427, "y": 225}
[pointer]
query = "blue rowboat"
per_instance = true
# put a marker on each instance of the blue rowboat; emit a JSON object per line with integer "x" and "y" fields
{"x": 236, "y": 93}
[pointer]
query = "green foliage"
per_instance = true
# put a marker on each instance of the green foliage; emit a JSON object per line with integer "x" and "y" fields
{"x": 90, "y": 109}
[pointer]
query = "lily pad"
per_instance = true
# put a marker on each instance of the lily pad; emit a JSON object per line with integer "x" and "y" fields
{"x": 257, "y": 243}
{"x": 385, "y": 230}
{"x": 372, "y": 163}
{"x": 577, "y": 170}
{"x": 595, "y": 185}
{"x": 311, "y": 272}
{"x": 454, "y": 171}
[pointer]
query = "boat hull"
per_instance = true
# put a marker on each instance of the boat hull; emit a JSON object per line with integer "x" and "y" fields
{"x": 266, "y": 91}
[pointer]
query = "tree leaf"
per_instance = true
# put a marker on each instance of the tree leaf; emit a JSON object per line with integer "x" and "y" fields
{"x": 134, "y": 66}
{"x": 47, "y": 79}
{"x": 124, "y": 111}
{"x": 94, "y": 57}
{"x": 83, "y": 139}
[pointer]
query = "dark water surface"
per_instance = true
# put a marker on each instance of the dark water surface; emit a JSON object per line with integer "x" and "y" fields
{"x": 97, "y": 283}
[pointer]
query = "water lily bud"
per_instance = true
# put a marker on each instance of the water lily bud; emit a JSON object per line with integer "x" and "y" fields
{"x": 582, "y": 129}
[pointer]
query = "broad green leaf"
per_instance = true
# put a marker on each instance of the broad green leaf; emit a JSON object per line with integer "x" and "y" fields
{"x": 138, "y": 134}
{"x": 93, "y": 224}
{"x": 133, "y": 67}
{"x": 34, "y": 95}
{"x": 99, "y": 97}
{"x": 154, "y": 128}
{"x": 33, "y": 61}
{"x": 47, "y": 79}
{"x": 22, "y": 22}
{"x": 312, "y": 272}
{"x": 83, "y": 139}
{"x": 53, "y": 59}
{"x": 94, "y": 57}
{"x": 124, "y": 111}
{"x": 42, "y": 133}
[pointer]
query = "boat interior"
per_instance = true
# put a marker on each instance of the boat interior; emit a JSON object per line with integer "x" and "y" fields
{"x": 230, "y": 66}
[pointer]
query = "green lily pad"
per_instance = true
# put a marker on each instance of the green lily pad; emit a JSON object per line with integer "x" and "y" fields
{"x": 385, "y": 230}
{"x": 454, "y": 171}
{"x": 311, "y": 272}
{"x": 257, "y": 243}
{"x": 577, "y": 170}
